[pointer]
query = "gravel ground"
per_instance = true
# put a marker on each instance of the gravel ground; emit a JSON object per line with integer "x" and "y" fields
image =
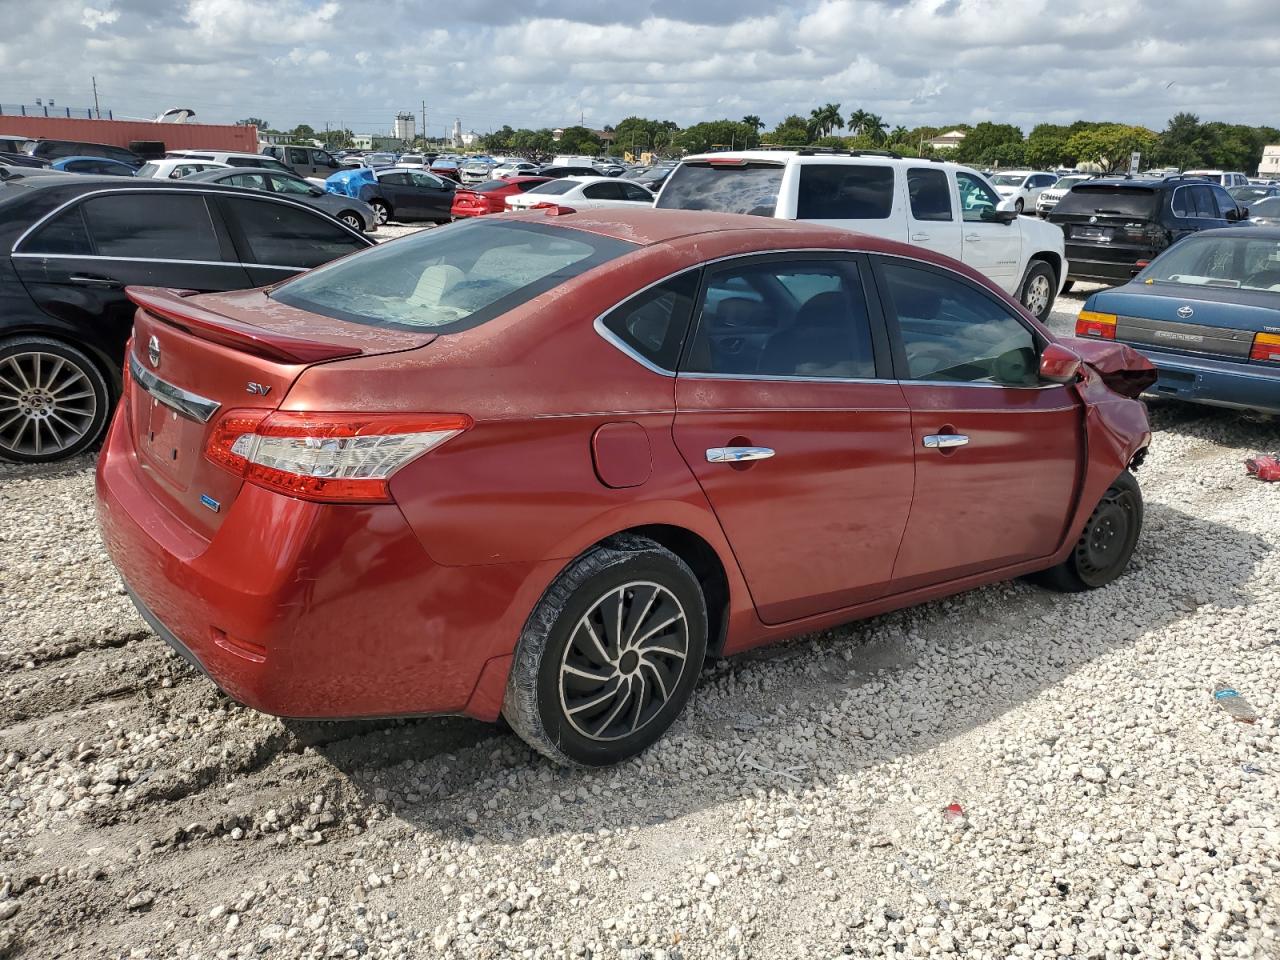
{"x": 1108, "y": 806}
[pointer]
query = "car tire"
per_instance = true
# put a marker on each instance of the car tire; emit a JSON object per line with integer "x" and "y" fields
{"x": 1039, "y": 290}
{"x": 381, "y": 212}
{"x": 352, "y": 220}
{"x": 593, "y": 682}
{"x": 1018, "y": 206}
{"x": 1106, "y": 543}
{"x": 54, "y": 400}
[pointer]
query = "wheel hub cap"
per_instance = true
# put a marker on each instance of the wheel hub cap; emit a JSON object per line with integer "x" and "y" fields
{"x": 624, "y": 660}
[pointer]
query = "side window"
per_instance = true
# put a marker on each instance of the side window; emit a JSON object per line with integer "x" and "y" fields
{"x": 1225, "y": 203}
{"x": 117, "y": 153}
{"x": 283, "y": 184}
{"x": 930, "y": 194}
{"x": 654, "y": 323}
{"x": 425, "y": 180}
{"x": 976, "y": 196}
{"x": 248, "y": 162}
{"x": 639, "y": 194}
{"x": 65, "y": 234}
{"x": 321, "y": 159}
{"x": 602, "y": 191}
{"x": 152, "y": 226}
{"x": 1180, "y": 204}
{"x": 844, "y": 192}
{"x": 395, "y": 179}
{"x": 298, "y": 155}
{"x": 953, "y": 332}
{"x": 799, "y": 318}
{"x": 251, "y": 181}
{"x": 1202, "y": 202}
{"x": 282, "y": 235}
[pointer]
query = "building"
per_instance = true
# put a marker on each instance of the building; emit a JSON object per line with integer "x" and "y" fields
{"x": 405, "y": 127}
{"x": 1270, "y": 165}
{"x": 947, "y": 141}
{"x": 122, "y": 133}
{"x": 362, "y": 141}
{"x": 455, "y": 138}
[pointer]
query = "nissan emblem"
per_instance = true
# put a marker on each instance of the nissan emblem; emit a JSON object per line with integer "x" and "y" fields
{"x": 153, "y": 351}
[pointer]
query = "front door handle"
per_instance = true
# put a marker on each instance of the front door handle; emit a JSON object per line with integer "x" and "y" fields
{"x": 737, "y": 454}
{"x": 944, "y": 441}
{"x": 919, "y": 237}
{"x": 972, "y": 238}
{"x": 92, "y": 281}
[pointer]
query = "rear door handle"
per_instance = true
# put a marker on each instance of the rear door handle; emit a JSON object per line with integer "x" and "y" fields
{"x": 92, "y": 281}
{"x": 944, "y": 441}
{"x": 972, "y": 238}
{"x": 737, "y": 454}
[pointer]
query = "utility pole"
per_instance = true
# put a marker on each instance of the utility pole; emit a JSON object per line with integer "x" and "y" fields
{"x": 96, "y": 112}
{"x": 424, "y": 124}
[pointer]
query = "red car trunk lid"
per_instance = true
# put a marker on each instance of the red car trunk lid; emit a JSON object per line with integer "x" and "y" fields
{"x": 193, "y": 359}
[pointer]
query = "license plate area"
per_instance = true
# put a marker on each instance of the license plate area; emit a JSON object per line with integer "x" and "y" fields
{"x": 170, "y": 442}
{"x": 1102, "y": 234}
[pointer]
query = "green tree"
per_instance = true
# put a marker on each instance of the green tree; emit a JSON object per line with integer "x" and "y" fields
{"x": 1110, "y": 144}
{"x": 302, "y": 131}
{"x": 579, "y": 140}
{"x": 900, "y": 134}
{"x": 254, "y": 122}
{"x": 733, "y": 134}
{"x": 875, "y": 128}
{"x": 857, "y": 120}
{"x": 1046, "y": 145}
{"x": 988, "y": 143}
{"x": 791, "y": 132}
{"x": 500, "y": 141}
{"x": 532, "y": 143}
{"x": 751, "y": 120}
{"x": 824, "y": 120}
{"x": 638, "y": 134}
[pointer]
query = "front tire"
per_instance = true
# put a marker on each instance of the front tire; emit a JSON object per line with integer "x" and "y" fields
{"x": 381, "y": 212}
{"x": 1039, "y": 290}
{"x": 1106, "y": 544}
{"x": 352, "y": 219}
{"x": 609, "y": 657}
{"x": 1018, "y": 206}
{"x": 54, "y": 400}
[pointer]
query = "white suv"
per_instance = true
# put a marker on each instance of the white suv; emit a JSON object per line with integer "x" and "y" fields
{"x": 940, "y": 206}
{"x": 1226, "y": 178}
{"x": 1020, "y": 189}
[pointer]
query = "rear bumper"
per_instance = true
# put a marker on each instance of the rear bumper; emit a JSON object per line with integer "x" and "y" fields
{"x": 311, "y": 610}
{"x": 1218, "y": 383}
{"x": 1100, "y": 271}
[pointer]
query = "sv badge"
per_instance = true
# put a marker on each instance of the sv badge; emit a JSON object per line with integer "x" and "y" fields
{"x": 257, "y": 389}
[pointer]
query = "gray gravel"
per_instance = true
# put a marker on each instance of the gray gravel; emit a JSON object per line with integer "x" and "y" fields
{"x": 1107, "y": 806}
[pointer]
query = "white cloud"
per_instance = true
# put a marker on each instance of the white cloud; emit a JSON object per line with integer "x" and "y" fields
{"x": 93, "y": 18}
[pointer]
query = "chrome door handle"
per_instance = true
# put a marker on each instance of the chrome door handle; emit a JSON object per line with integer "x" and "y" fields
{"x": 737, "y": 454}
{"x": 93, "y": 281}
{"x": 944, "y": 441}
{"x": 973, "y": 237}
{"x": 919, "y": 237}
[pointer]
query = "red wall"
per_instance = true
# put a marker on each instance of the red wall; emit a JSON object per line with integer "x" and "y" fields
{"x": 176, "y": 136}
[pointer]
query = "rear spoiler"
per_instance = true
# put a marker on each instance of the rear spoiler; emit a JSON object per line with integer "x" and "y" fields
{"x": 172, "y": 307}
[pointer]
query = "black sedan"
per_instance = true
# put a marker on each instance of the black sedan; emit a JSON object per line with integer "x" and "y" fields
{"x": 351, "y": 211}
{"x": 70, "y": 244}
{"x": 397, "y": 194}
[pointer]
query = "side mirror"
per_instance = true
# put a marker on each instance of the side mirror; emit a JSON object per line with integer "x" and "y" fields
{"x": 999, "y": 216}
{"x": 1058, "y": 364}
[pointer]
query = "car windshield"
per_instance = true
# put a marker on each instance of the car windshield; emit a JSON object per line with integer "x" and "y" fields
{"x": 444, "y": 164}
{"x": 1246, "y": 263}
{"x": 555, "y": 186}
{"x": 1008, "y": 179}
{"x": 411, "y": 158}
{"x": 1088, "y": 199}
{"x": 1068, "y": 181}
{"x": 1250, "y": 193}
{"x": 148, "y": 169}
{"x": 751, "y": 189}
{"x": 449, "y": 279}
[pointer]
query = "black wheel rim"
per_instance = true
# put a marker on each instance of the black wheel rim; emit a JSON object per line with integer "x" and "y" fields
{"x": 624, "y": 660}
{"x": 47, "y": 404}
{"x": 1104, "y": 545}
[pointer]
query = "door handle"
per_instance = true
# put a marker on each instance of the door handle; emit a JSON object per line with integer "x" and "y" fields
{"x": 919, "y": 237}
{"x": 972, "y": 238}
{"x": 737, "y": 454}
{"x": 944, "y": 441}
{"x": 91, "y": 281}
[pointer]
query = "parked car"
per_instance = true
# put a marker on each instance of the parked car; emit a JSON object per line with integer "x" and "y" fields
{"x": 305, "y": 161}
{"x": 354, "y": 212}
{"x": 566, "y": 538}
{"x": 1115, "y": 227}
{"x": 71, "y": 245}
{"x": 1049, "y": 196}
{"x": 1020, "y": 189}
{"x": 555, "y": 171}
{"x": 941, "y": 206}
{"x": 97, "y": 166}
{"x": 14, "y": 143}
{"x": 416, "y": 161}
{"x": 582, "y": 193}
{"x": 609, "y": 167}
{"x": 514, "y": 168}
{"x": 1204, "y": 313}
{"x": 1265, "y": 212}
{"x": 476, "y": 169}
{"x": 175, "y": 168}
{"x": 21, "y": 160}
{"x": 58, "y": 149}
{"x": 377, "y": 160}
{"x": 1222, "y": 178}
{"x": 396, "y": 194}
{"x": 1250, "y": 194}
{"x": 653, "y": 177}
{"x": 446, "y": 169}
{"x": 491, "y": 196}
{"x": 230, "y": 157}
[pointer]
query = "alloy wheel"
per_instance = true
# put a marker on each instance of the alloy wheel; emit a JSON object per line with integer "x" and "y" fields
{"x": 381, "y": 213}
{"x": 351, "y": 220}
{"x": 47, "y": 403}
{"x": 623, "y": 661}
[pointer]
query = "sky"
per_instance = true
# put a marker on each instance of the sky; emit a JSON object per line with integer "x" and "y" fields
{"x": 548, "y": 63}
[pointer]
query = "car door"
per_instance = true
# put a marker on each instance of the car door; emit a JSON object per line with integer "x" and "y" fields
{"x": 1228, "y": 211}
{"x": 298, "y": 159}
{"x": 932, "y": 221}
{"x": 322, "y": 163}
{"x": 605, "y": 194}
{"x": 394, "y": 187}
{"x": 77, "y": 264}
{"x": 277, "y": 239}
{"x": 632, "y": 193}
{"x": 798, "y": 437}
{"x": 991, "y": 247}
{"x": 997, "y": 451}
{"x": 435, "y": 196}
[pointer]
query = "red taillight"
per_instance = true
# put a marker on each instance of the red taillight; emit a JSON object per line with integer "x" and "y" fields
{"x": 727, "y": 162}
{"x": 1142, "y": 264}
{"x": 552, "y": 209}
{"x": 326, "y": 457}
{"x": 1092, "y": 324}
{"x": 1266, "y": 348}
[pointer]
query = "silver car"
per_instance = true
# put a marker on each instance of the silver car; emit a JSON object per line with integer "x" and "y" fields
{"x": 354, "y": 213}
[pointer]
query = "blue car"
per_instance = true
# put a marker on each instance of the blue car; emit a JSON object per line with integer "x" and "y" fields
{"x": 94, "y": 165}
{"x": 1206, "y": 313}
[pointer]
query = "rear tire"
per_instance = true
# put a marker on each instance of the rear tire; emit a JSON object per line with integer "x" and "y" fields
{"x": 1038, "y": 290}
{"x": 1106, "y": 544}
{"x": 54, "y": 400}
{"x": 381, "y": 212}
{"x": 352, "y": 220}
{"x": 609, "y": 657}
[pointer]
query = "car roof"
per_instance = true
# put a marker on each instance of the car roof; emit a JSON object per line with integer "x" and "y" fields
{"x": 65, "y": 160}
{"x": 208, "y": 176}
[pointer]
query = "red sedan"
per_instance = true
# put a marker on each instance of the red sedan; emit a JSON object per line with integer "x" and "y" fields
{"x": 490, "y": 196}
{"x": 544, "y": 465}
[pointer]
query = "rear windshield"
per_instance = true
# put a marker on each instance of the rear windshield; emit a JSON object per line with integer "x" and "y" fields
{"x": 1270, "y": 207}
{"x": 1084, "y": 198}
{"x": 1211, "y": 261}
{"x": 752, "y": 189}
{"x": 555, "y": 186}
{"x": 449, "y": 279}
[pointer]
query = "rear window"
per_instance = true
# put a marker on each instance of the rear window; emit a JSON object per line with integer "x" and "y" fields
{"x": 490, "y": 185}
{"x": 844, "y": 192}
{"x": 452, "y": 279}
{"x": 555, "y": 186}
{"x": 1109, "y": 201}
{"x": 751, "y": 189}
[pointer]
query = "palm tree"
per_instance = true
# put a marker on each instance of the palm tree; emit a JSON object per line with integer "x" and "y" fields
{"x": 752, "y": 121}
{"x": 823, "y": 120}
{"x": 857, "y": 120}
{"x": 899, "y": 134}
{"x": 874, "y": 127}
